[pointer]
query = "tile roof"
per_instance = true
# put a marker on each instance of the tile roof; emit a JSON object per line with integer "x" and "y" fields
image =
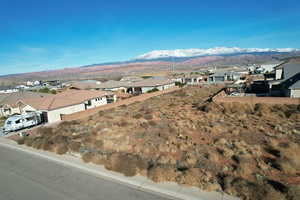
{"x": 64, "y": 99}
{"x": 151, "y": 83}
{"x": 12, "y": 98}
{"x": 113, "y": 84}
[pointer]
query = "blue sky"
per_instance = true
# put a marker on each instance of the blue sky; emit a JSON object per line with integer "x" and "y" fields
{"x": 40, "y": 35}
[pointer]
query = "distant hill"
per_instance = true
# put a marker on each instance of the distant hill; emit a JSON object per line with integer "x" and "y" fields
{"x": 116, "y": 69}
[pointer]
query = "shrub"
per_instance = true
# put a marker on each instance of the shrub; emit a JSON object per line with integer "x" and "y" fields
{"x": 152, "y": 123}
{"x": 75, "y": 146}
{"x": 153, "y": 90}
{"x": 46, "y": 146}
{"x": 148, "y": 116}
{"x": 180, "y": 93}
{"x": 87, "y": 157}
{"x": 146, "y": 77}
{"x": 98, "y": 144}
{"x": 129, "y": 165}
{"x": 123, "y": 123}
{"x": 21, "y": 141}
{"x": 44, "y": 90}
{"x": 137, "y": 116}
{"x": 45, "y": 131}
{"x": 37, "y": 143}
{"x": 68, "y": 123}
{"x": 61, "y": 149}
{"x": 28, "y": 141}
{"x": 179, "y": 84}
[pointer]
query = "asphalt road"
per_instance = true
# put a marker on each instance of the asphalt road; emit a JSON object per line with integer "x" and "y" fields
{"x": 27, "y": 177}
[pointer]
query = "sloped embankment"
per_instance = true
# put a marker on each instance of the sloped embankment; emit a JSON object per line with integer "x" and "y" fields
{"x": 251, "y": 151}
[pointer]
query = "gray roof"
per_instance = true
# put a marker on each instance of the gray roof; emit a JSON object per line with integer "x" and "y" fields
{"x": 291, "y": 73}
{"x": 290, "y": 69}
{"x": 113, "y": 84}
{"x": 295, "y": 85}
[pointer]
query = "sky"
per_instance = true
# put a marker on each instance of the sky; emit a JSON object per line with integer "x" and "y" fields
{"x": 42, "y": 35}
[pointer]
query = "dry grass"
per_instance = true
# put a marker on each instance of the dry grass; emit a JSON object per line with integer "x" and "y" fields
{"x": 246, "y": 150}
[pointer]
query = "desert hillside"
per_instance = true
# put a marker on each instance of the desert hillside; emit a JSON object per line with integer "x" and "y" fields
{"x": 249, "y": 151}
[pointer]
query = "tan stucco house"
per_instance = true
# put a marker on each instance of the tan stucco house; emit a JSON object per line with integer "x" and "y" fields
{"x": 68, "y": 102}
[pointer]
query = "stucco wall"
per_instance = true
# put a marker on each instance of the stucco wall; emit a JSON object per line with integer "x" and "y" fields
{"x": 11, "y": 111}
{"x": 55, "y": 115}
{"x": 28, "y": 108}
{"x": 193, "y": 81}
{"x": 278, "y": 74}
{"x": 115, "y": 89}
{"x": 95, "y": 103}
{"x": 295, "y": 93}
{"x": 164, "y": 87}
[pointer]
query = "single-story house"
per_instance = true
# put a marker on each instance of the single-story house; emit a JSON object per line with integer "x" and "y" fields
{"x": 193, "y": 79}
{"x": 269, "y": 66}
{"x": 146, "y": 85}
{"x": 131, "y": 78}
{"x": 222, "y": 76}
{"x": 7, "y": 89}
{"x": 113, "y": 85}
{"x": 8, "y": 102}
{"x": 136, "y": 87}
{"x": 178, "y": 79}
{"x": 287, "y": 80}
{"x": 68, "y": 102}
{"x": 85, "y": 85}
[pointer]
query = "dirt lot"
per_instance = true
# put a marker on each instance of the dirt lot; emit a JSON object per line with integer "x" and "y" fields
{"x": 142, "y": 97}
{"x": 247, "y": 150}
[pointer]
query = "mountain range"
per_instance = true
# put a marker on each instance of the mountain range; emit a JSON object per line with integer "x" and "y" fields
{"x": 179, "y": 53}
{"x": 162, "y": 60}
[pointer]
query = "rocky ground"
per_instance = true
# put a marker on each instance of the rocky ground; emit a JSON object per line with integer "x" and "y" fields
{"x": 250, "y": 151}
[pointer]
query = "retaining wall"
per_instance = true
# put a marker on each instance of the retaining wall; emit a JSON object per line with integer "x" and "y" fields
{"x": 254, "y": 100}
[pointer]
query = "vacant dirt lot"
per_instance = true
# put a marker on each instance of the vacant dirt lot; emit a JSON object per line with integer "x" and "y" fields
{"x": 142, "y": 97}
{"x": 247, "y": 150}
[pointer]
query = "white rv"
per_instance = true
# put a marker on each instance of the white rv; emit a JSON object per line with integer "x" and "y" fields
{"x": 18, "y": 122}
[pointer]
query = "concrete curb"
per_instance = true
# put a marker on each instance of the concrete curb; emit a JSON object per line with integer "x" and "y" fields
{"x": 167, "y": 189}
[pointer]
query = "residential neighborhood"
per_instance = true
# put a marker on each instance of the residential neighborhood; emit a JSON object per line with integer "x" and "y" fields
{"x": 149, "y": 100}
{"x": 280, "y": 80}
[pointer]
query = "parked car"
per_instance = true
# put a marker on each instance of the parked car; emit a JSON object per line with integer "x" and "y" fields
{"x": 18, "y": 122}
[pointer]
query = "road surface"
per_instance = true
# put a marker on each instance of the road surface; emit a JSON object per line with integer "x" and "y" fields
{"x": 28, "y": 177}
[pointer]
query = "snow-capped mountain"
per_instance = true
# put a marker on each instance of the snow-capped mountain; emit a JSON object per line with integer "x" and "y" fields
{"x": 179, "y": 53}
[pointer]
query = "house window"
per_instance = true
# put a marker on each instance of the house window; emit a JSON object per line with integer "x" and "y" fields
{"x": 89, "y": 103}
